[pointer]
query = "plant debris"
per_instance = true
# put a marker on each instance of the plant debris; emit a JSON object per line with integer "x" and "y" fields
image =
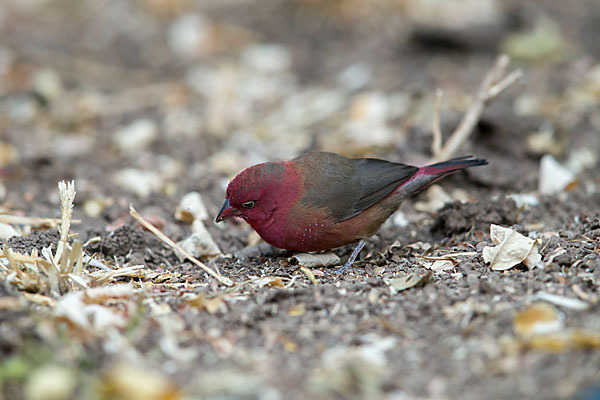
{"x": 511, "y": 249}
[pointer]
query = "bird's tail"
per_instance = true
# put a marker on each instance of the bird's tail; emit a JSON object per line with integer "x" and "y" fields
{"x": 431, "y": 173}
{"x": 447, "y": 167}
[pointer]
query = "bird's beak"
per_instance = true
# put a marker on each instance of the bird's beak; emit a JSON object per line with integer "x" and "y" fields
{"x": 226, "y": 212}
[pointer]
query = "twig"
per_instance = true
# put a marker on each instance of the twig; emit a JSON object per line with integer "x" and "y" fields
{"x": 494, "y": 83}
{"x": 224, "y": 280}
{"x": 504, "y": 84}
{"x": 436, "y": 145}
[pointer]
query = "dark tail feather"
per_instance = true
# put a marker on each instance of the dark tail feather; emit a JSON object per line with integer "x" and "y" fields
{"x": 455, "y": 164}
{"x": 431, "y": 173}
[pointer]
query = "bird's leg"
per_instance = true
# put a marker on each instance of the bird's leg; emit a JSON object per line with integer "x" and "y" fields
{"x": 353, "y": 256}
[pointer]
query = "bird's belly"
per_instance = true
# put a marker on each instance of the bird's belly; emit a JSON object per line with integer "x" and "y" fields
{"x": 311, "y": 236}
{"x": 326, "y": 235}
{"x": 318, "y": 236}
{"x": 313, "y": 232}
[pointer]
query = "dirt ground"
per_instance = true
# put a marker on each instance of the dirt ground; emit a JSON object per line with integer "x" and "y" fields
{"x": 142, "y": 102}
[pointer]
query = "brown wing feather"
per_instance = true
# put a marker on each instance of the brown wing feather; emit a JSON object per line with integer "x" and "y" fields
{"x": 346, "y": 187}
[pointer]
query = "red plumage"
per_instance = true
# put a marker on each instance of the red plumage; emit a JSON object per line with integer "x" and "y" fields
{"x": 320, "y": 201}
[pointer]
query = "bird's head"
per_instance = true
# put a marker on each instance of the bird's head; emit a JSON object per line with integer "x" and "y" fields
{"x": 255, "y": 193}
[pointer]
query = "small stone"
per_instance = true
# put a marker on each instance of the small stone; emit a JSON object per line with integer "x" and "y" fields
{"x": 399, "y": 219}
{"x": 190, "y": 35}
{"x": 21, "y": 109}
{"x": 136, "y": 136}
{"x": 8, "y": 154}
{"x": 7, "y": 231}
{"x": 48, "y": 84}
{"x": 355, "y": 77}
{"x": 50, "y": 382}
{"x": 140, "y": 182}
{"x": 267, "y": 58}
{"x": 94, "y": 207}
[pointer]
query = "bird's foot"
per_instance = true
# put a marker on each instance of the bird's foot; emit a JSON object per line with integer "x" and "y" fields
{"x": 351, "y": 259}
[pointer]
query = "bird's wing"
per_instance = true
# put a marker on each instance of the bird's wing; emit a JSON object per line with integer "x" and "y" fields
{"x": 376, "y": 179}
{"x": 347, "y": 187}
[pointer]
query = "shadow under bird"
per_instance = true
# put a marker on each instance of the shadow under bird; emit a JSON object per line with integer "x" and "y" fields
{"x": 320, "y": 201}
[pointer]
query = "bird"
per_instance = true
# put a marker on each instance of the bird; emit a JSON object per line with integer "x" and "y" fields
{"x": 321, "y": 201}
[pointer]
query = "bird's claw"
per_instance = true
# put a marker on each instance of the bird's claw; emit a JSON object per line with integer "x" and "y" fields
{"x": 341, "y": 269}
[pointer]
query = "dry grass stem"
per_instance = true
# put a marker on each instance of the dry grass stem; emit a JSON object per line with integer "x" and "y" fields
{"x": 220, "y": 278}
{"x": 67, "y": 195}
{"x": 309, "y": 274}
{"x": 494, "y": 83}
{"x": 34, "y": 222}
{"x": 55, "y": 274}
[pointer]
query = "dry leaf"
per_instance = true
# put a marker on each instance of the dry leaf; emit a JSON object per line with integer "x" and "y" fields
{"x": 316, "y": 260}
{"x": 465, "y": 309}
{"x": 566, "y": 340}
{"x": 200, "y": 243}
{"x": 511, "y": 249}
{"x": 539, "y": 318}
{"x": 441, "y": 265}
{"x": 275, "y": 282}
{"x": 554, "y": 178}
{"x": 406, "y": 282}
{"x": 297, "y": 310}
{"x": 93, "y": 317}
{"x": 191, "y": 207}
{"x": 130, "y": 382}
{"x": 419, "y": 246}
{"x": 210, "y": 304}
{"x": 540, "y": 327}
{"x": 288, "y": 344}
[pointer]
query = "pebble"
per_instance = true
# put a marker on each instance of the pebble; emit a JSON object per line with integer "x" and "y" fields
{"x": 48, "y": 84}
{"x": 140, "y": 182}
{"x": 267, "y": 58}
{"x": 136, "y": 136}
{"x": 50, "y": 382}
{"x": 355, "y": 77}
{"x": 7, "y": 231}
{"x": 190, "y": 35}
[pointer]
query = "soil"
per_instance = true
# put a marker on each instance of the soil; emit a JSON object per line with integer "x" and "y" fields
{"x": 277, "y": 334}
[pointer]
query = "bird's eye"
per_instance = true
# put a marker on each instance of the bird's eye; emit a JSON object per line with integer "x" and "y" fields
{"x": 248, "y": 204}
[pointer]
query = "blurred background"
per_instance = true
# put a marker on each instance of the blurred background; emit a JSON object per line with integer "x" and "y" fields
{"x": 159, "y": 96}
